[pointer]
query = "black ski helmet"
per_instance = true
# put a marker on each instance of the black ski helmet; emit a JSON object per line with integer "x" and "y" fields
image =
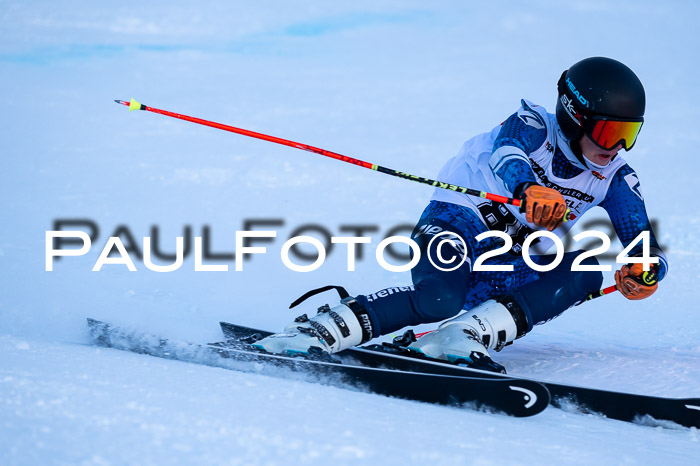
{"x": 598, "y": 87}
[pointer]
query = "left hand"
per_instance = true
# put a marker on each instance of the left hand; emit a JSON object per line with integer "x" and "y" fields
{"x": 634, "y": 283}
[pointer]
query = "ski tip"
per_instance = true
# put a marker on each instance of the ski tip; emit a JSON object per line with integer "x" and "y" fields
{"x": 94, "y": 322}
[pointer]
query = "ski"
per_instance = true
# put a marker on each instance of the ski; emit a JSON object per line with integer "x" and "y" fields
{"x": 517, "y": 398}
{"x": 621, "y": 406}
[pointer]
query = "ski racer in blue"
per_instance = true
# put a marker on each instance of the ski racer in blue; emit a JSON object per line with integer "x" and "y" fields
{"x": 560, "y": 165}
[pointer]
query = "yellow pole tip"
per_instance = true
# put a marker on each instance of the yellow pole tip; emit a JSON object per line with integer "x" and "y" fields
{"x": 134, "y": 105}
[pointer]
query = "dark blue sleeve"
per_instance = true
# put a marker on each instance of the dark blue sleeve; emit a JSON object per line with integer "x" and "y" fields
{"x": 624, "y": 204}
{"x": 520, "y": 135}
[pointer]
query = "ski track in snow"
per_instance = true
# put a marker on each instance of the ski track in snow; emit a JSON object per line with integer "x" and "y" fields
{"x": 401, "y": 84}
{"x": 66, "y": 393}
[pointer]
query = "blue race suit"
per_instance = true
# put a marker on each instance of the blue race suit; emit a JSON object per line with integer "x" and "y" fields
{"x": 527, "y": 148}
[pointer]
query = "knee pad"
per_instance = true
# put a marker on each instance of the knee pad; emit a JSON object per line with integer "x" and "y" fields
{"x": 439, "y": 299}
{"x": 557, "y": 290}
{"x": 584, "y": 283}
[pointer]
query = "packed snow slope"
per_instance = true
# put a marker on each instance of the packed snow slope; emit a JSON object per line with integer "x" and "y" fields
{"x": 400, "y": 84}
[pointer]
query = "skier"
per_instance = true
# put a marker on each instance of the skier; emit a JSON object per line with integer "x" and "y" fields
{"x": 560, "y": 165}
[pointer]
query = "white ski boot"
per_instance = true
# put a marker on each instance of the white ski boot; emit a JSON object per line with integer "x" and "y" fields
{"x": 467, "y": 338}
{"x": 331, "y": 330}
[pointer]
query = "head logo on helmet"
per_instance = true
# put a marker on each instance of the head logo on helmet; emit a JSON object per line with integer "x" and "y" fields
{"x": 575, "y": 92}
{"x": 602, "y": 98}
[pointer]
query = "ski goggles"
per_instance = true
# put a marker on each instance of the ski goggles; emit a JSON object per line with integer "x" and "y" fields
{"x": 607, "y": 133}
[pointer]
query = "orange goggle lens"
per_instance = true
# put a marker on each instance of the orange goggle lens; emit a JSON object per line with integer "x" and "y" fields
{"x": 609, "y": 133}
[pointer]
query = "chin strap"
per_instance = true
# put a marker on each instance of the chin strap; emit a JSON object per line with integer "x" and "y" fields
{"x": 576, "y": 149}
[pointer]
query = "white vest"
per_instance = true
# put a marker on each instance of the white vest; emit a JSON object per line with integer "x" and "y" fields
{"x": 470, "y": 169}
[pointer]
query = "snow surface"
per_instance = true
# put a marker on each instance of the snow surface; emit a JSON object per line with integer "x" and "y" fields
{"x": 398, "y": 83}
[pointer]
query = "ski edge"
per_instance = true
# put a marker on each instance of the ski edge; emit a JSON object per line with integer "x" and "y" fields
{"x": 525, "y": 398}
{"x": 682, "y": 411}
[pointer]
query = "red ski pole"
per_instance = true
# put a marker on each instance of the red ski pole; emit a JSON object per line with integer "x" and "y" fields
{"x": 600, "y": 293}
{"x": 134, "y": 105}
